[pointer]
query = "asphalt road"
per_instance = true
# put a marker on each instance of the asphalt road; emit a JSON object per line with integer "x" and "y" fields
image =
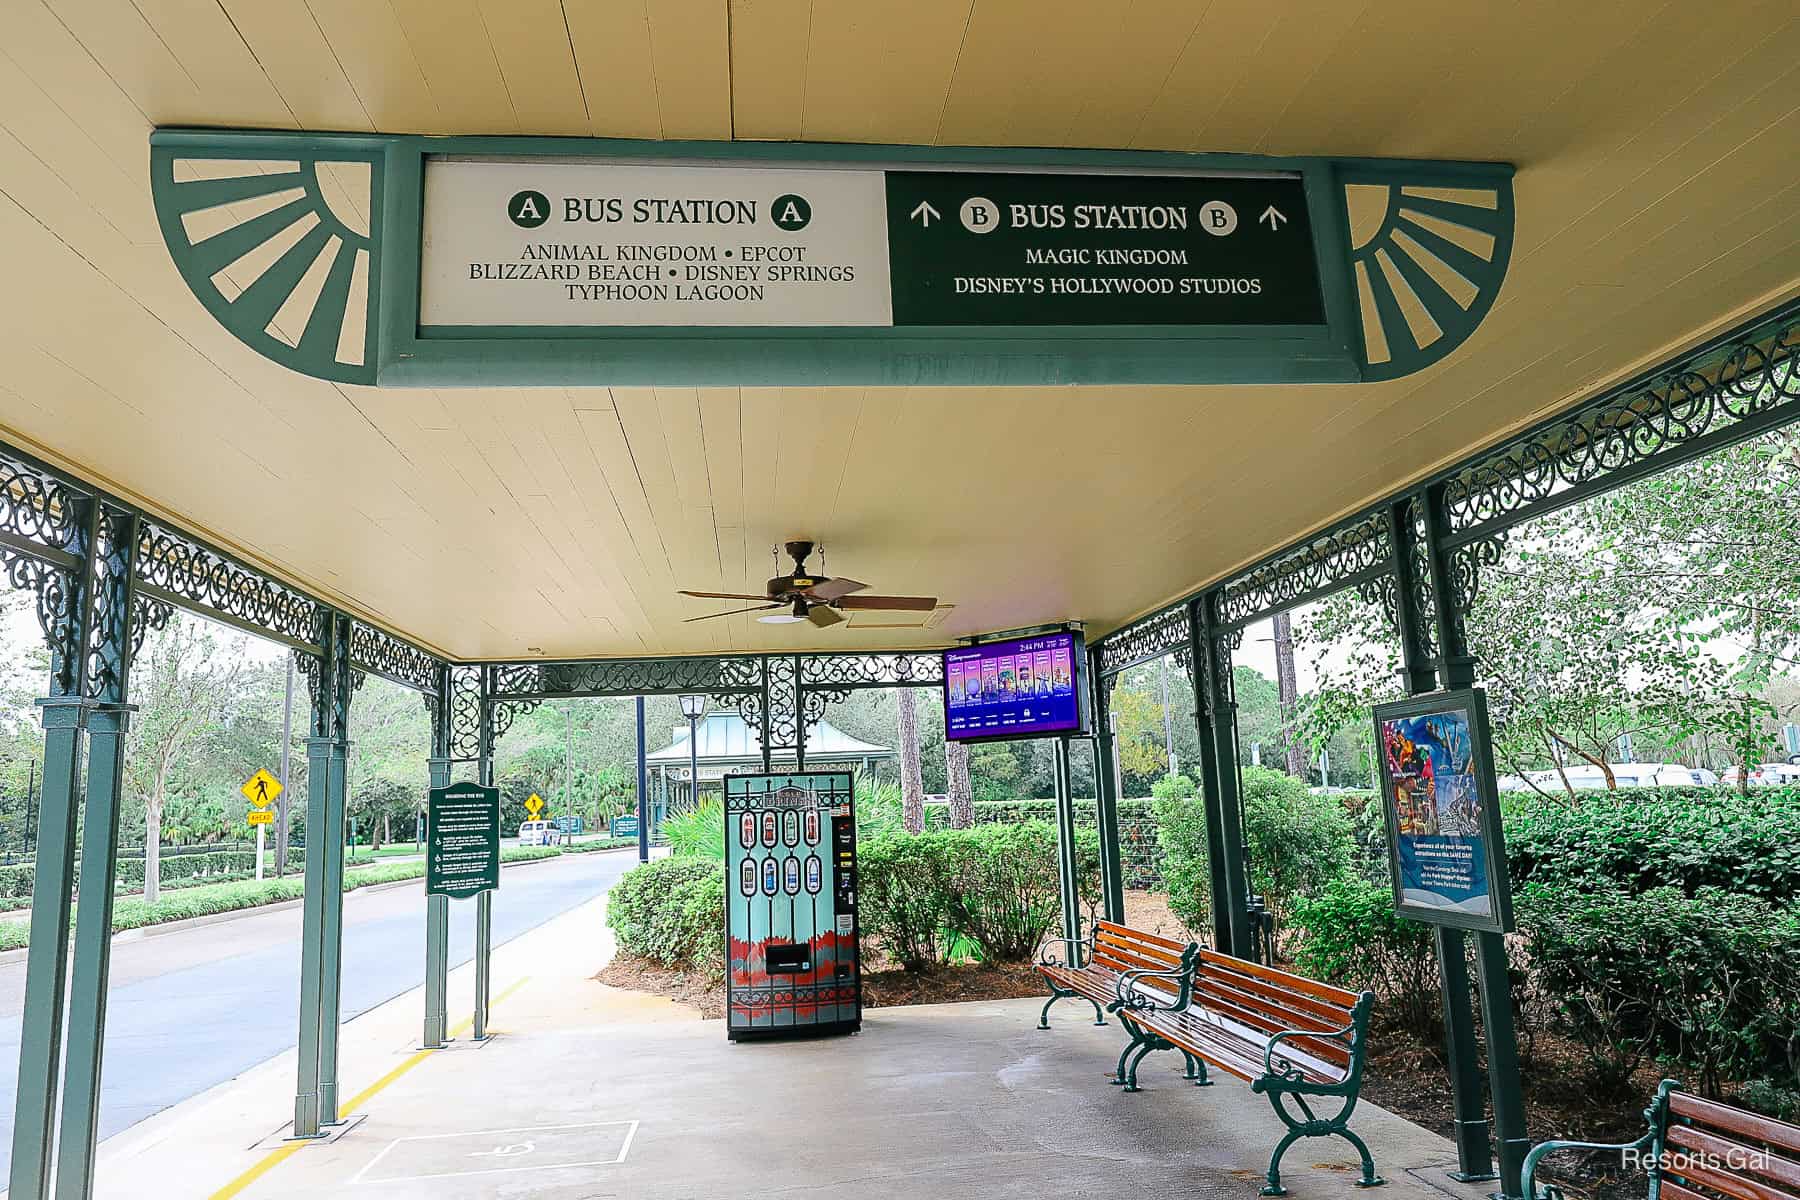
{"x": 192, "y": 1008}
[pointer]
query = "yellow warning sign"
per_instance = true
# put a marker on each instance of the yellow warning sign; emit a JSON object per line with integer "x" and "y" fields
{"x": 260, "y": 816}
{"x": 534, "y": 804}
{"x": 261, "y": 789}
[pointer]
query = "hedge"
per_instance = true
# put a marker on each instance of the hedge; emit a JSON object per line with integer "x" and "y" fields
{"x": 672, "y": 911}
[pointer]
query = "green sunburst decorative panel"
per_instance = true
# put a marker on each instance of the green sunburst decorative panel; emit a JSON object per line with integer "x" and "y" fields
{"x": 280, "y": 249}
{"x": 1427, "y": 261}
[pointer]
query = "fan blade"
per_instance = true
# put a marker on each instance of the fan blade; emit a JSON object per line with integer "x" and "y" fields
{"x": 722, "y": 595}
{"x": 890, "y": 603}
{"x": 734, "y": 612}
{"x": 824, "y": 616}
{"x": 834, "y": 589}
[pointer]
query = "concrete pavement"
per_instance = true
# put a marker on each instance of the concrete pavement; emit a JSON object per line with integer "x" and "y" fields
{"x": 193, "y": 1008}
{"x": 588, "y": 1092}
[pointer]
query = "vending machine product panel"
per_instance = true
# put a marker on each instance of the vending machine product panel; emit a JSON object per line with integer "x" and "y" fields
{"x": 790, "y": 905}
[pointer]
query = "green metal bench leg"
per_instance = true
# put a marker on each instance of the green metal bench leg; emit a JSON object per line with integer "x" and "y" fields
{"x": 1369, "y": 1177}
{"x": 1196, "y": 1070}
{"x": 1055, "y": 995}
{"x": 1118, "y": 1075}
{"x": 1273, "y": 1187}
{"x": 1099, "y": 1015}
{"x": 1131, "y": 1071}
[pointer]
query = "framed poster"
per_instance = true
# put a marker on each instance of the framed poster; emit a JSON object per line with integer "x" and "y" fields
{"x": 1445, "y": 844}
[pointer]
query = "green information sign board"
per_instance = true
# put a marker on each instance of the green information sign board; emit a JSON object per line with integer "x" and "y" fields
{"x": 462, "y": 841}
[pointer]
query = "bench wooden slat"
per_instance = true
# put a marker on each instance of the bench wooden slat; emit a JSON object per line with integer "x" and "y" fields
{"x": 1311, "y": 1008}
{"x": 1267, "y": 1024}
{"x": 1674, "y": 1191}
{"x": 1773, "y": 1166}
{"x": 1111, "y": 957}
{"x": 1299, "y": 983}
{"x": 1734, "y": 1120}
{"x": 1150, "y": 956}
{"x": 1298, "y": 1051}
{"x": 1726, "y": 1182}
{"x": 1227, "y": 1049}
{"x": 1222, "y": 991}
{"x": 1153, "y": 939}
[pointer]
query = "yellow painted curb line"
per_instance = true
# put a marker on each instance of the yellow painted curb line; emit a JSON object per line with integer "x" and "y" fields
{"x": 276, "y": 1157}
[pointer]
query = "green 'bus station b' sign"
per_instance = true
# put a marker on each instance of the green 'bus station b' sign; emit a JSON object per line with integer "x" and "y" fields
{"x": 462, "y": 841}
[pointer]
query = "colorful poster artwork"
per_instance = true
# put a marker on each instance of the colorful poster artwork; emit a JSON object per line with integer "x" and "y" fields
{"x": 1436, "y": 803}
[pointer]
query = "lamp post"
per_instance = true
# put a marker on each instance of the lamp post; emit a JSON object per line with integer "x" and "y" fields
{"x": 693, "y": 707}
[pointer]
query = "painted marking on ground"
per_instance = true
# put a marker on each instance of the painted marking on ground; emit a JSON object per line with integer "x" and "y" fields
{"x": 276, "y": 1157}
{"x": 494, "y": 1151}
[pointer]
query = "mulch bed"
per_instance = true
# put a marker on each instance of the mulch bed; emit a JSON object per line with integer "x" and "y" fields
{"x": 881, "y": 988}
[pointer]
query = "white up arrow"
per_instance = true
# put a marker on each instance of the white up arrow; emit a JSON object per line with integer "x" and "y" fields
{"x": 1273, "y": 216}
{"x": 925, "y": 214}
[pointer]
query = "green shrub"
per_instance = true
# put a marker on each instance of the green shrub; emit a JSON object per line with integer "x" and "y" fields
{"x": 1660, "y": 837}
{"x": 1181, "y": 837}
{"x": 1298, "y": 843}
{"x": 1707, "y": 983}
{"x": 1772, "y": 1098}
{"x": 1348, "y": 934}
{"x": 671, "y": 911}
{"x": 1004, "y": 884}
{"x": 1174, "y": 787}
{"x": 698, "y": 832}
{"x": 904, "y": 896}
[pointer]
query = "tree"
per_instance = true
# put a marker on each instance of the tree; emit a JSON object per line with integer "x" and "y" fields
{"x": 1287, "y": 685}
{"x": 912, "y": 782}
{"x": 962, "y": 792}
{"x": 182, "y": 682}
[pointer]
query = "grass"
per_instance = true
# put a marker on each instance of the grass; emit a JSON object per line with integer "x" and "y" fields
{"x": 208, "y": 899}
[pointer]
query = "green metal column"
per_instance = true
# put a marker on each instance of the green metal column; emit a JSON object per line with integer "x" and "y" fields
{"x": 331, "y": 930}
{"x": 78, "y": 1131}
{"x": 1106, "y": 795}
{"x": 1068, "y": 861}
{"x": 437, "y": 941}
{"x": 67, "y": 620}
{"x": 1200, "y": 678}
{"x": 321, "y": 924}
{"x": 484, "y": 901}
{"x": 1503, "y": 1062}
{"x": 1224, "y": 809}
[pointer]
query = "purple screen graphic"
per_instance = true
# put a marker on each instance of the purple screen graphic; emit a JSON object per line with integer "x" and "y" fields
{"x": 1021, "y": 688}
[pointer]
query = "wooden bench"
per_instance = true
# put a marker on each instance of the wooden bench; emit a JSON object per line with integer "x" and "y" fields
{"x": 1092, "y": 969}
{"x": 1698, "y": 1149}
{"x": 1291, "y": 1038}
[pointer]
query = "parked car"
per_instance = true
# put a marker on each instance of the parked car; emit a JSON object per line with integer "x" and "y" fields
{"x": 1587, "y": 777}
{"x": 1766, "y": 775}
{"x": 536, "y": 833}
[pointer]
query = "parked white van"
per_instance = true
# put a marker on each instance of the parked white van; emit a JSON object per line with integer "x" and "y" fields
{"x": 536, "y": 833}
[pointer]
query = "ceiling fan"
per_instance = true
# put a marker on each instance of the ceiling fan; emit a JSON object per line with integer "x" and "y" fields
{"x": 805, "y": 596}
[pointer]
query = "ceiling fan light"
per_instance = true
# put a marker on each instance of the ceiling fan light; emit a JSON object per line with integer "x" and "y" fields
{"x": 780, "y": 618}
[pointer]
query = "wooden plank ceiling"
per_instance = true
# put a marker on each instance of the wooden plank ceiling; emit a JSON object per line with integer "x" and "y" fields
{"x": 1658, "y": 197}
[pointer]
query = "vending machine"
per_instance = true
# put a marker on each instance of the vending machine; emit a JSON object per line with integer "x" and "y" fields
{"x": 790, "y": 905}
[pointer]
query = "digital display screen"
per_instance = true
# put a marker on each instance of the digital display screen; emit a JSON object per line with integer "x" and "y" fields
{"x": 1024, "y": 688}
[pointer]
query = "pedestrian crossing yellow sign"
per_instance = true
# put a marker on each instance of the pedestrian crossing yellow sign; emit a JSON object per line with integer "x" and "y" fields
{"x": 261, "y": 789}
{"x": 534, "y": 804}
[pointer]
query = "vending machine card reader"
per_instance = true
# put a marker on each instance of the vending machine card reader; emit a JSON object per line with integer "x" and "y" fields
{"x": 790, "y": 905}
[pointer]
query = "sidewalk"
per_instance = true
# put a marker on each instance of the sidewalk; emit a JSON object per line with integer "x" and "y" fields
{"x": 585, "y": 1091}
{"x": 541, "y": 979}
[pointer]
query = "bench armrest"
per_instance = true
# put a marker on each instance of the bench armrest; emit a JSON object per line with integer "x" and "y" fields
{"x": 1550, "y": 1191}
{"x": 1076, "y": 952}
{"x": 1136, "y": 1001}
{"x": 1346, "y": 1035}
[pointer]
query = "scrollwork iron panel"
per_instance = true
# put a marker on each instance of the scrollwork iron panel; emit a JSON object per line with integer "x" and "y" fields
{"x": 847, "y": 671}
{"x": 1141, "y": 641}
{"x": 148, "y": 613}
{"x": 399, "y": 662}
{"x": 110, "y": 630}
{"x": 629, "y": 677}
{"x": 37, "y": 509}
{"x": 176, "y": 569}
{"x": 55, "y": 591}
{"x": 1722, "y": 393}
{"x": 1348, "y": 556}
{"x": 465, "y": 713}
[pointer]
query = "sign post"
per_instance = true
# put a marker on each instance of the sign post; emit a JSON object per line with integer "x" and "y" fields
{"x": 261, "y": 790}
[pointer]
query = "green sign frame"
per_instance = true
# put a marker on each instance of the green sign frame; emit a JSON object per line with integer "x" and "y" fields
{"x": 462, "y": 841}
{"x": 1390, "y": 307}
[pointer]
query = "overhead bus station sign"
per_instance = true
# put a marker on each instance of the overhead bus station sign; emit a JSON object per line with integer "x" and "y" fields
{"x": 523, "y": 243}
{"x": 554, "y": 261}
